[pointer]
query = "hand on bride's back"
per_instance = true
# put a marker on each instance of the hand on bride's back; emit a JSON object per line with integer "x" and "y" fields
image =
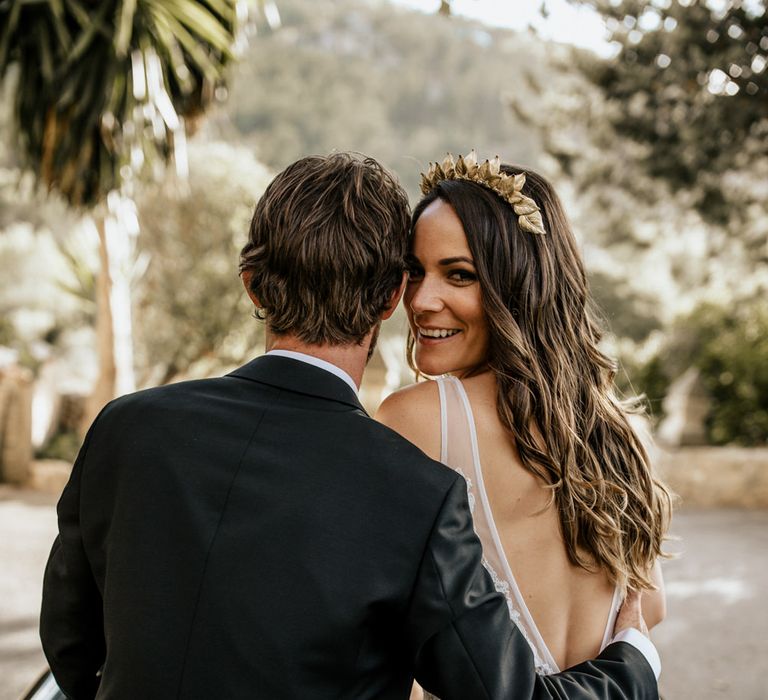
{"x": 631, "y": 614}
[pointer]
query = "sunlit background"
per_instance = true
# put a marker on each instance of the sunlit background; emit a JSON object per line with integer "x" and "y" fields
{"x": 135, "y": 138}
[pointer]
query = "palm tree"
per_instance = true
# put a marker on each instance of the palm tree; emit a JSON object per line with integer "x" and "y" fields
{"x": 105, "y": 92}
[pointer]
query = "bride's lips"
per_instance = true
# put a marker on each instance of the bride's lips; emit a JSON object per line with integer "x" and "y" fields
{"x": 430, "y": 340}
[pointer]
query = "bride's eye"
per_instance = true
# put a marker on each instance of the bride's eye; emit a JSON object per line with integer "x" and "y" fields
{"x": 415, "y": 273}
{"x": 462, "y": 276}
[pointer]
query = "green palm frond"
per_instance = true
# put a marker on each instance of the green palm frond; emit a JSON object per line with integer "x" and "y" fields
{"x": 104, "y": 87}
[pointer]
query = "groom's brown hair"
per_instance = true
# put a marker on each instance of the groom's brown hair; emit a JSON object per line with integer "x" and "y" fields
{"x": 326, "y": 248}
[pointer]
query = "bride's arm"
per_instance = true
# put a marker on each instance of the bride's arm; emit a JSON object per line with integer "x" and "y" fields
{"x": 414, "y": 412}
{"x": 655, "y": 602}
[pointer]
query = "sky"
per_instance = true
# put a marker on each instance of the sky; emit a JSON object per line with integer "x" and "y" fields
{"x": 565, "y": 23}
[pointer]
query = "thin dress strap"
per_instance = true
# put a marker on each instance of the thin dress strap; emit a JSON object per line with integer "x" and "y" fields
{"x": 455, "y": 436}
{"x": 459, "y": 451}
{"x": 618, "y": 599}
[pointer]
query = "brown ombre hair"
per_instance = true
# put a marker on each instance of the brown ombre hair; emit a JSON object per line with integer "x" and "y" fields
{"x": 326, "y": 248}
{"x": 555, "y": 391}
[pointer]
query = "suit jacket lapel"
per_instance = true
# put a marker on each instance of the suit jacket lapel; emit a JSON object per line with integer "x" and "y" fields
{"x": 301, "y": 377}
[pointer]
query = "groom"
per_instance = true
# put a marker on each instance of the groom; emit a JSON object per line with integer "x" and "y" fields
{"x": 259, "y": 536}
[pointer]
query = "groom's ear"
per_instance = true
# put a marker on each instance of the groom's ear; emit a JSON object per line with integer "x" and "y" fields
{"x": 247, "y": 276}
{"x": 395, "y": 299}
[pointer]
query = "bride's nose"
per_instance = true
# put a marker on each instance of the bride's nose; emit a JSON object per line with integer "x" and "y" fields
{"x": 425, "y": 296}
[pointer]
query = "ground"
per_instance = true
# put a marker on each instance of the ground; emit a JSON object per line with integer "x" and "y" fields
{"x": 713, "y": 644}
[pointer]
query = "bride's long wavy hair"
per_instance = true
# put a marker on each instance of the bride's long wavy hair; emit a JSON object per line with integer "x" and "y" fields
{"x": 556, "y": 392}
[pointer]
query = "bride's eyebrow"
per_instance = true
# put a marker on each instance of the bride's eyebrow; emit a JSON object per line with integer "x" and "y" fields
{"x": 453, "y": 261}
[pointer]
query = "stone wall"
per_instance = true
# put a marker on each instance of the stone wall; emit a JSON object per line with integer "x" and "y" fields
{"x": 733, "y": 477}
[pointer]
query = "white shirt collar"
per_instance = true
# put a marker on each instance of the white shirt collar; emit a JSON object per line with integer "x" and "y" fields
{"x": 317, "y": 362}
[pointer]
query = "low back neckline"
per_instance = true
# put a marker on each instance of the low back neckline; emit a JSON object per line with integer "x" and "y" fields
{"x": 459, "y": 450}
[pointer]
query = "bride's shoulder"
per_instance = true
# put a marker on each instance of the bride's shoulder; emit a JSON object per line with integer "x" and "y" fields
{"x": 414, "y": 412}
{"x": 414, "y": 399}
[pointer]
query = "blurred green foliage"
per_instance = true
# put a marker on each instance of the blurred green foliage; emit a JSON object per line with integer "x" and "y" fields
{"x": 628, "y": 313}
{"x": 649, "y": 378}
{"x": 63, "y": 445}
{"x": 7, "y": 331}
{"x": 191, "y": 314}
{"x": 729, "y": 347}
{"x": 689, "y": 86}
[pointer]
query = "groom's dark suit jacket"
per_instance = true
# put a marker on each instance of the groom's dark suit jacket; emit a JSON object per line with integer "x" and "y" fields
{"x": 259, "y": 536}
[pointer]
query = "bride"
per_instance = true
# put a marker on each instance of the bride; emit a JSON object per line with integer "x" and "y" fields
{"x": 563, "y": 497}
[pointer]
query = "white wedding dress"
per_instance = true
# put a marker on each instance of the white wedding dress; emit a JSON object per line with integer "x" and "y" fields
{"x": 459, "y": 451}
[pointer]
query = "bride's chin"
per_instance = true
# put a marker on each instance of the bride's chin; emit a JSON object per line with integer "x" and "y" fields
{"x": 432, "y": 369}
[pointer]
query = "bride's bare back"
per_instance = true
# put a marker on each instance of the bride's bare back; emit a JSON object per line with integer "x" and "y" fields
{"x": 570, "y": 606}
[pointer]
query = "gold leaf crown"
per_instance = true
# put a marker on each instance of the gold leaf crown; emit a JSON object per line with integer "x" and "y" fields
{"x": 508, "y": 187}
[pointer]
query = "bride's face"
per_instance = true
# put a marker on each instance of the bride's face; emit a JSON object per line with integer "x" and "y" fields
{"x": 443, "y": 297}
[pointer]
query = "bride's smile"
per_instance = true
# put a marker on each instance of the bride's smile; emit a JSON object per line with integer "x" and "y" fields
{"x": 427, "y": 335}
{"x": 443, "y": 298}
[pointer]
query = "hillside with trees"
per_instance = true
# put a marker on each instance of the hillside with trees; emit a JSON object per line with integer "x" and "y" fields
{"x": 401, "y": 86}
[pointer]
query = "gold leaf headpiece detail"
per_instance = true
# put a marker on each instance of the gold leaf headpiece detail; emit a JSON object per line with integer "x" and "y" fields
{"x": 488, "y": 174}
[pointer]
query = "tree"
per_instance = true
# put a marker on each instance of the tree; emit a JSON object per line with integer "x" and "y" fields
{"x": 689, "y": 85}
{"x": 192, "y": 316}
{"x": 639, "y": 137}
{"x": 103, "y": 93}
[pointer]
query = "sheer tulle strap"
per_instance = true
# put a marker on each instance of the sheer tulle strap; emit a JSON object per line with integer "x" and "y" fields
{"x": 443, "y": 421}
{"x": 460, "y": 451}
{"x": 618, "y": 598}
{"x": 455, "y": 428}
